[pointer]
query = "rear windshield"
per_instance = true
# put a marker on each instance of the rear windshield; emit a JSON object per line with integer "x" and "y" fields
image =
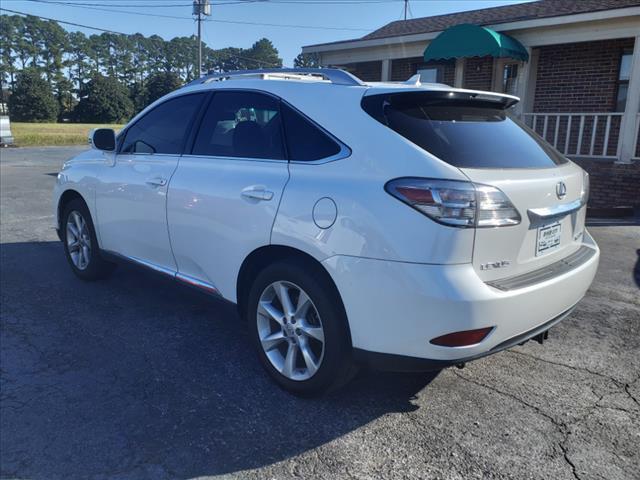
{"x": 463, "y": 132}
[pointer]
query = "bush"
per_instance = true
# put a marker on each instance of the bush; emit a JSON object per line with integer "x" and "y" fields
{"x": 106, "y": 101}
{"x": 32, "y": 99}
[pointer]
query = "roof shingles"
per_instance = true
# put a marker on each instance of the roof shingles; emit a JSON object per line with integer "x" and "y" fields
{"x": 496, "y": 15}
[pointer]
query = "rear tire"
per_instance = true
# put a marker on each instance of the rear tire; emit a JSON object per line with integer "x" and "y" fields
{"x": 81, "y": 244}
{"x": 299, "y": 328}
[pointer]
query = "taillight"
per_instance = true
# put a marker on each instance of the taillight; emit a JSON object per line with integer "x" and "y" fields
{"x": 584, "y": 192}
{"x": 494, "y": 208}
{"x": 462, "y": 339}
{"x": 456, "y": 203}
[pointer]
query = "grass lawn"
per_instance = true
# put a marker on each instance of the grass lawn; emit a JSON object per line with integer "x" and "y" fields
{"x": 45, "y": 134}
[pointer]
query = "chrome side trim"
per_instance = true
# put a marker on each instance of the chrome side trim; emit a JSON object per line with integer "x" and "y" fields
{"x": 194, "y": 282}
{"x": 149, "y": 265}
{"x": 538, "y": 216}
{"x": 197, "y": 283}
{"x": 235, "y": 159}
{"x": 583, "y": 255}
{"x": 344, "y": 152}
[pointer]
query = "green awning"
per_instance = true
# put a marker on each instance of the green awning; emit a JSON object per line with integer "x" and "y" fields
{"x": 466, "y": 40}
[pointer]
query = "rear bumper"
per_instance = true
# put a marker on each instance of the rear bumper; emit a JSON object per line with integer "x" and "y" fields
{"x": 402, "y": 363}
{"x": 396, "y": 308}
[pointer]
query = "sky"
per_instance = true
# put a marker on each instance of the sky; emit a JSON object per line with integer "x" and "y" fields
{"x": 314, "y": 21}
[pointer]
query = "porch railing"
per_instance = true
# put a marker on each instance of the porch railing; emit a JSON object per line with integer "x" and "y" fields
{"x": 587, "y": 135}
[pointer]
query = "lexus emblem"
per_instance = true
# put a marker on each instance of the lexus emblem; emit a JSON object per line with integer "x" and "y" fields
{"x": 561, "y": 190}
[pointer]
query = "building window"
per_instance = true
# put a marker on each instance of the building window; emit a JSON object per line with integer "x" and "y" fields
{"x": 510, "y": 78}
{"x": 623, "y": 81}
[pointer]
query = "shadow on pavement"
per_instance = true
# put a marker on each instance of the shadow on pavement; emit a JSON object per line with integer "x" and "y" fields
{"x": 138, "y": 376}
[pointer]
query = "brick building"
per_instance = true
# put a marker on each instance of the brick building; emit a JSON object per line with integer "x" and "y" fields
{"x": 577, "y": 75}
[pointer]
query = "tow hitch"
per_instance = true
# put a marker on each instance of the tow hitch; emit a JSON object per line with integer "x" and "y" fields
{"x": 540, "y": 338}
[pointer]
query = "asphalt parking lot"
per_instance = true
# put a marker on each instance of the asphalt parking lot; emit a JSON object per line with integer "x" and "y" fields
{"x": 138, "y": 377}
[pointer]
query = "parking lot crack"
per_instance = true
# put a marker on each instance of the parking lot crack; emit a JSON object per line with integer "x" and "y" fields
{"x": 562, "y": 427}
{"x": 513, "y": 397}
{"x": 571, "y": 367}
{"x": 627, "y": 390}
{"x": 566, "y": 457}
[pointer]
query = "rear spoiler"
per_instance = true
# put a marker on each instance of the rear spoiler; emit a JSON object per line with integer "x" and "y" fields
{"x": 489, "y": 99}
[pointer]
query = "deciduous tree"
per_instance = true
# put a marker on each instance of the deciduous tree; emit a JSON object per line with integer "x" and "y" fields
{"x": 32, "y": 99}
{"x": 106, "y": 101}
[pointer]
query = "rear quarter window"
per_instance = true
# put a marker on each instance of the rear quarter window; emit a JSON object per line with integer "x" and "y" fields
{"x": 305, "y": 141}
{"x": 465, "y": 133}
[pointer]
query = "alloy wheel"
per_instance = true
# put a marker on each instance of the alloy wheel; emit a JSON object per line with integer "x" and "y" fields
{"x": 290, "y": 330}
{"x": 78, "y": 240}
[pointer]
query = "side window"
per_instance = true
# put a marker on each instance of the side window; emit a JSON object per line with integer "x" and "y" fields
{"x": 163, "y": 129}
{"x": 241, "y": 124}
{"x": 305, "y": 141}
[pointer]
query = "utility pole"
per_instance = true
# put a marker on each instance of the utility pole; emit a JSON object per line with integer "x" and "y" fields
{"x": 200, "y": 8}
{"x": 406, "y": 7}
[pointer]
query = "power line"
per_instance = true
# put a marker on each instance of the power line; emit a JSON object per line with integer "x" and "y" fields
{"x": 148, "y": 3}
{"x": 63, "y": 22}
{"x": 242, "y": 22}
{"x": 84, "y": 4}
{"x": 68, "y": 4}
{"x": 144, "y": 5}
{"x": 217, "y": 20}
{"x": 229, "y": 54}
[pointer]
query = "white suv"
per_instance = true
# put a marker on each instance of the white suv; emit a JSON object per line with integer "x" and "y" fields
{"x": 401, "y": 226}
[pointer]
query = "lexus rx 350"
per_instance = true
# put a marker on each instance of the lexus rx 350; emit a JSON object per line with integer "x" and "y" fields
{"x": 402, "y": 226}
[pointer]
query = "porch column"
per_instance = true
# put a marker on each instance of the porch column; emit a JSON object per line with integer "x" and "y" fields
{"x": 627, "y": 145}
{"x": 386, "y": 70}
{"x": 527, "y": 84}
{"x": 457, "y": 82}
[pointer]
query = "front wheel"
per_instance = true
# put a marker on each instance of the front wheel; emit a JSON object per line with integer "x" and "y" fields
{"x": 299, "y": 328}
{"x": 81, "y": 244}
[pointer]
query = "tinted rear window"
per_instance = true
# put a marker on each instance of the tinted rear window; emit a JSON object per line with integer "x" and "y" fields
{"x": 465, "y": 133}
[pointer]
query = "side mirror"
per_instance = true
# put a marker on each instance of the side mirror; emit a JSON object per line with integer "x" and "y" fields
{"x": 103, "y": 139}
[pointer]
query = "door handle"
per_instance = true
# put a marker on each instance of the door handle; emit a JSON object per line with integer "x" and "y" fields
{"x": 257, "y": 194}
{"x": 157, "y": 182}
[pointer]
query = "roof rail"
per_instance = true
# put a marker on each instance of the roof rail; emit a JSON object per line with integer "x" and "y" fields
{"x": 334, "y": 75}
